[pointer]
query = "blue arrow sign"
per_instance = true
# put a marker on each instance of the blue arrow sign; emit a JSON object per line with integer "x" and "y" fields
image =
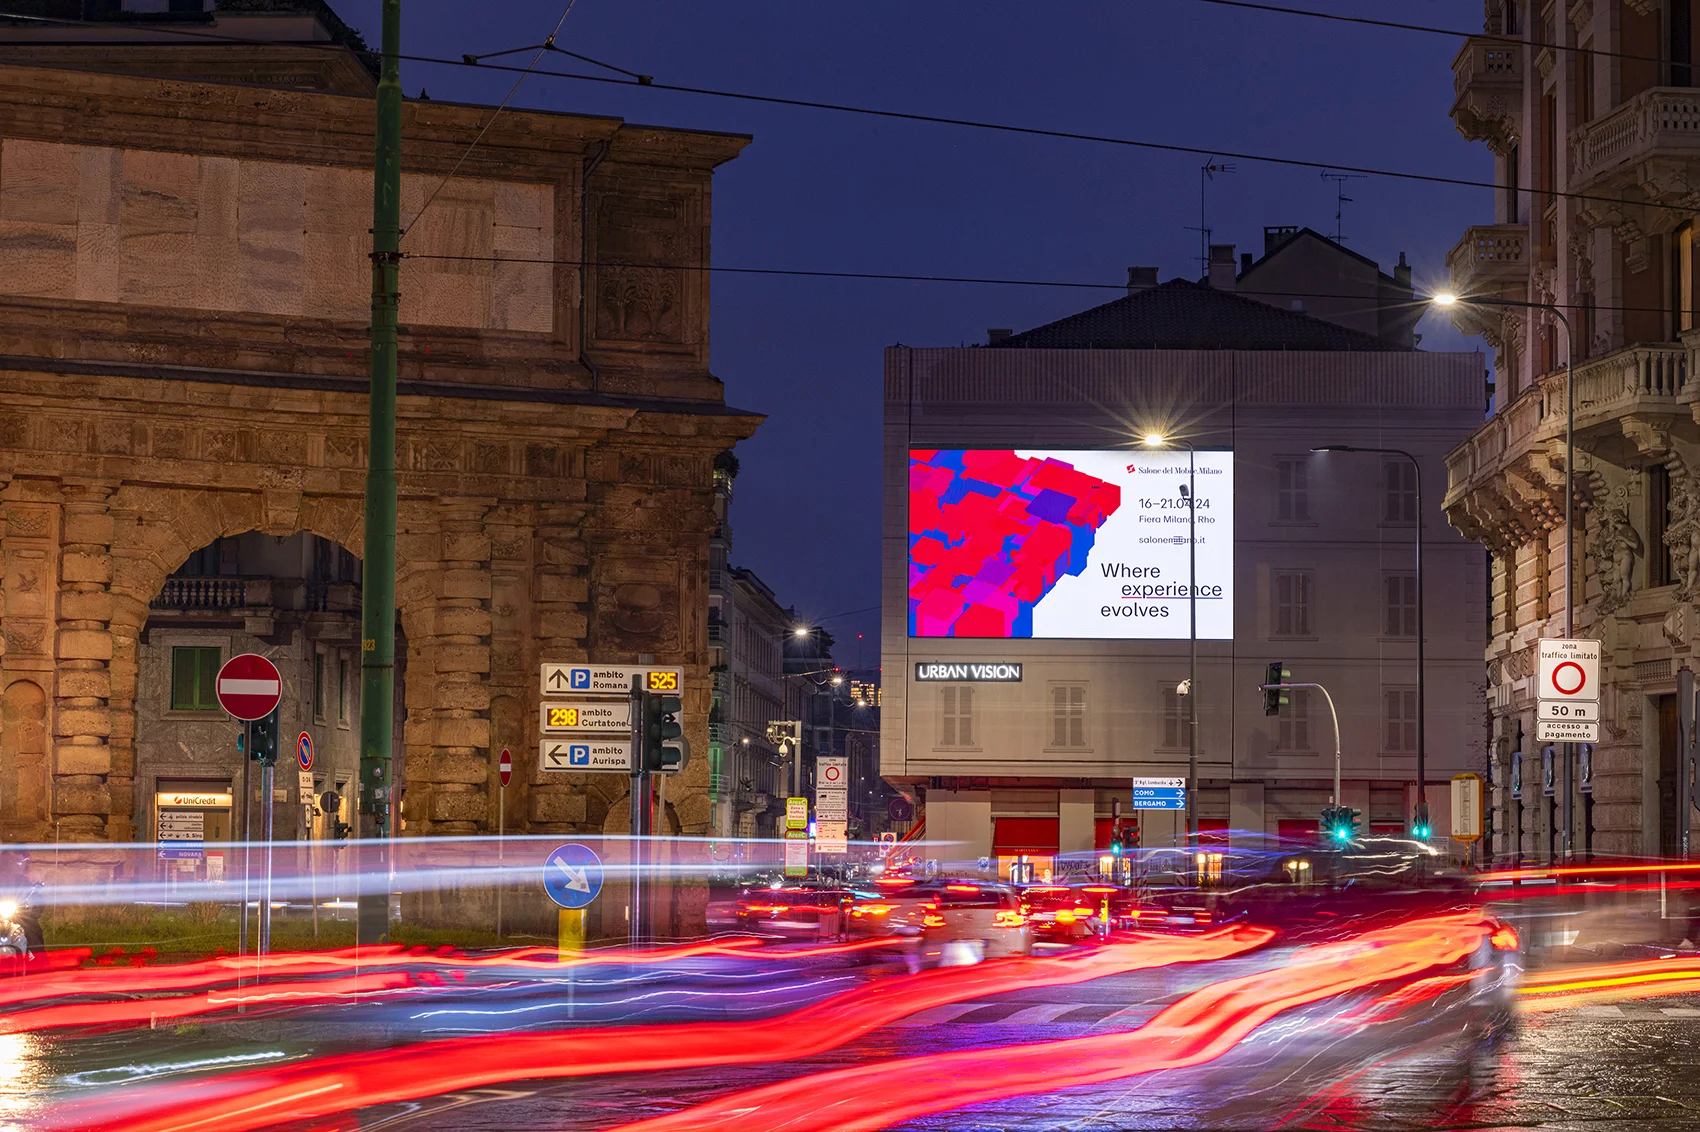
{"x": 572, "y": 876}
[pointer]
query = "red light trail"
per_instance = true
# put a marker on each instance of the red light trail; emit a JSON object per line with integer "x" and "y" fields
{"x": 257, "y": 1098}
{"x": 1199, "y": 1028}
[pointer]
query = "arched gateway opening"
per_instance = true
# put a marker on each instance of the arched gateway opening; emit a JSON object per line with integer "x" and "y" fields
{"x": 294, "y": 599}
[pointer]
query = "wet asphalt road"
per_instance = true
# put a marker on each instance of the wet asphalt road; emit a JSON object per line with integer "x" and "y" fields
{"x": 1629, "y": 1066}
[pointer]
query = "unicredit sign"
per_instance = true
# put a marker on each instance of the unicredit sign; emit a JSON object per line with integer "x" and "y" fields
{"x": 984, "y": 672}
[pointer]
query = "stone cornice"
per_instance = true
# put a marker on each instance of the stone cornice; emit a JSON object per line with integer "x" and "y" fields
{"x": 322, "y": 128}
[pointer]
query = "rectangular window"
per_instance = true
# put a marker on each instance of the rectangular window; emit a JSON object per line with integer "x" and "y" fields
{"x": 1292, "y": 604}
{"x": 958, "y": 717}
{"x": 1658, "y": 522}
{"x": 1400, "y": 713}
{"x": 1513, "y": 170}
{"x": 1292, "y": 490}
{"x": 1585, "y": 84}
{"x": 1398, "y": 491}
{"x": 1399, "y": 605}
{"x": 341, "y": 690}
{"x": 319, "y": 685}
{"x": 1292, "y": 725}
{"x": 194, "y": 671}
{"x": 1174, "y": 718}
{"x": 1068, "y": 715}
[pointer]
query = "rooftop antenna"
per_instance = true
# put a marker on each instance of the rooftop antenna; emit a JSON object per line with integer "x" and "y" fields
{"x": 1341, "y": 200}
{"x": 1207, "y": 173}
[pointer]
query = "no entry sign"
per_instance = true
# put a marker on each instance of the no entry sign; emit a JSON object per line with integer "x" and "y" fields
{"x": 505, "y": 768}
{"x": 249, "y": 686}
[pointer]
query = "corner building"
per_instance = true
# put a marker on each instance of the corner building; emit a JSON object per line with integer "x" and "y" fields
{"x": 1569, "y": 101}
{"x": 1036, "y": 580}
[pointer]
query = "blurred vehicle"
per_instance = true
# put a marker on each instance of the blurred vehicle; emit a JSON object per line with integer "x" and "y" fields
{"x": 796, "y": 909}
{"x": 1060, "y": 913}
{"x": 20, "y": 931}
{"x": 952, "y": 922}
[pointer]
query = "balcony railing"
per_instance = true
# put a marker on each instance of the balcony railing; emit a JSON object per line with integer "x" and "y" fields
{"x": 717, "y": 632}
{"x": 1649, "y": 376}
{"x": 203, "y": 593}
{"x": 1489, "y": 255}
{"x": 1661, "y": 122}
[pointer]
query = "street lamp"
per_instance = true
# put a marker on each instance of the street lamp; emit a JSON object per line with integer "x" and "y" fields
{"x": 1446, "y": 299}
{"x": 1158, "y": 440}
{"x": 1420, "y": 823}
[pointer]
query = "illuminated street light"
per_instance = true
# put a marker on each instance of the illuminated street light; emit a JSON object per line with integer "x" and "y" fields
{"x": 1447, "y": 299}
{"x": 1189, "y": 489}
{"x": 801, "y": 631}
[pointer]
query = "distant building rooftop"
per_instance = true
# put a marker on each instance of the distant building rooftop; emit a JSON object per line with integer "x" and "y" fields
{"x": 1183, "y": 315}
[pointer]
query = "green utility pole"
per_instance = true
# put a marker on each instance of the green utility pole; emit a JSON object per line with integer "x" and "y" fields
{"x": 377, "y": 597}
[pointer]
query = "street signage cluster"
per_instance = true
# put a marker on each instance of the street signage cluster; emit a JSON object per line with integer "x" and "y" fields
{"x": 585, "y": 719}
{"x": 1466, "y": 807}
{"x": 1568, "y": 692}
{"x": 796, "y": 837}
{"x": 832, "y": 804}
{"x": 1158, "y": 794}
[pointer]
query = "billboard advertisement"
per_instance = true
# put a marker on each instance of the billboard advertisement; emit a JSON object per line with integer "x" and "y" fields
{"x": 1024, "y": 543}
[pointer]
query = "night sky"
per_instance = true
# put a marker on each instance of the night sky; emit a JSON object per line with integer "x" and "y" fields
{"x": 821, "y": 190}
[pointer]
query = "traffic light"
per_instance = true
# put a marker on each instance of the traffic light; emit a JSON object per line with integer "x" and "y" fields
{"x": 1340, "y": 824}
{"x": 1116, "y": 846}
{"x": 263, "y": 732}
{"x": 1275, "y": 698}
{"x": 1420, "y": 828}
{"x": 661, "y": 726}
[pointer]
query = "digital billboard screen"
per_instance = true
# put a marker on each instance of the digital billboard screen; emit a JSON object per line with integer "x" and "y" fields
{"x": 1012, "y": 543}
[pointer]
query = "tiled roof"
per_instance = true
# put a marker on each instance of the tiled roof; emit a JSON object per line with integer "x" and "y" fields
{"x": 1182, "y": 315}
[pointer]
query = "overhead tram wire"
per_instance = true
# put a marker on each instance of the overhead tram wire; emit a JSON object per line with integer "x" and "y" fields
{"x": 547, "y": 45}
{"x": 1491, "y": 37}
{"x": 941, "y": 120}
{"x": 915, "y": 277}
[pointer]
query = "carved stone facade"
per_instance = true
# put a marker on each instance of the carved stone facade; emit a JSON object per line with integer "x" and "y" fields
{"x": 183, "y": 294}
{"x": 1622, "y": 265}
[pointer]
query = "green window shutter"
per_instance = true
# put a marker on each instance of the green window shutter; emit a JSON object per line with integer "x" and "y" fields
{"x": 206, "y": 696}
{"x": 182, "y": 679}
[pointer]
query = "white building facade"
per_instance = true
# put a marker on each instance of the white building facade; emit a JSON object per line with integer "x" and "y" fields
{"x": 1028, "y": 757}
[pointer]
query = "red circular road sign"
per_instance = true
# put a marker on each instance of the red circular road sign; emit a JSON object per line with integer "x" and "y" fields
{"x": 1560, "y": 677}
{"x": 505, "y": 768}
{"x": 304, "y": 751}
{"x": 832, "y": 775}
{"x": 249, "y": 686}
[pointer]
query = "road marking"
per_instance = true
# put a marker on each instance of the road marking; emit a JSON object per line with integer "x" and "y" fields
{"x": 1679, "y": 1012}
{"x": 939, "y": 1014}
{"x": 1038, "y": 1015}
{"x": 1597, "y": 1011}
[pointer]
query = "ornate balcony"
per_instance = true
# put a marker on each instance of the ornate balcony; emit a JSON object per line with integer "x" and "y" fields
{"x": 1507, "y": 480}
{"x": 1661, "y": 124}
{"x": 1491, "y": 259}
{"x": 1487, "y": 85}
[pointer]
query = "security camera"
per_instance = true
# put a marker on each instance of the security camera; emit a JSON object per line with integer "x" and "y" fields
{"x": 1184, "y": 688}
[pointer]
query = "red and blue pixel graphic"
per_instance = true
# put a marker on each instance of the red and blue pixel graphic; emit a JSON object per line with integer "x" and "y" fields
{"x": 989, "y": 535}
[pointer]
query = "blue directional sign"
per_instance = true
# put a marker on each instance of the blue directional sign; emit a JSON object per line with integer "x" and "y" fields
{"x": 580, "y": 678}
{"x": 1158, "y": 794}
{"x": 578, "y": 754}
{"x": 572, "y": 876}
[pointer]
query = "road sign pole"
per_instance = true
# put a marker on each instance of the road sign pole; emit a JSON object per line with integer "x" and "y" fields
{"x": 377, "y": 597}
{"x": 639, "y": 814}
{"x": 501, "y": 849}
{"x": 247, "y": 833}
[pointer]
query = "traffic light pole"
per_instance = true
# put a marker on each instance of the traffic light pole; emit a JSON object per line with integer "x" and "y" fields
{"x": 377, "y": 597}
{"x": 1332, "y": 714}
